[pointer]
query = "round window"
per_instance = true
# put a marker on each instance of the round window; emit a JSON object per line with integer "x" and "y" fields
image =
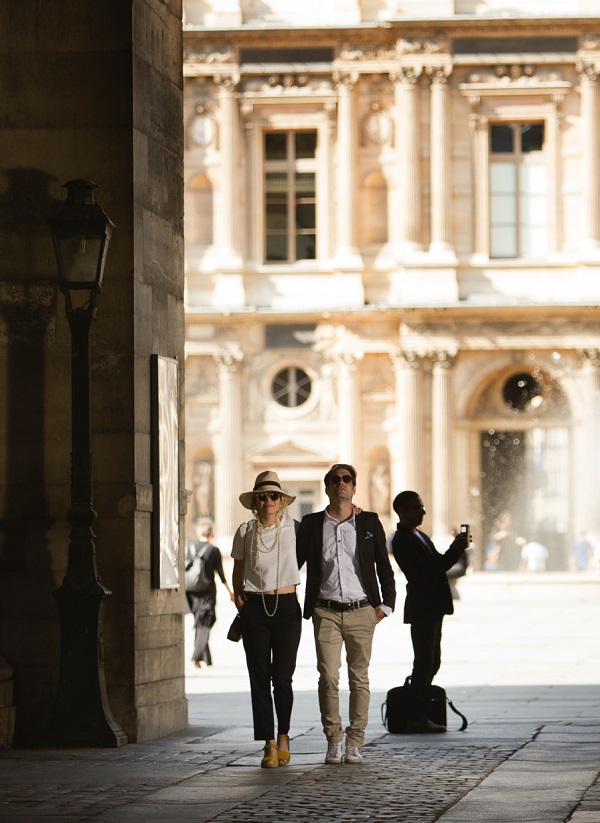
{"x": 291, "y": 387}
{"x": 522, "y": 392}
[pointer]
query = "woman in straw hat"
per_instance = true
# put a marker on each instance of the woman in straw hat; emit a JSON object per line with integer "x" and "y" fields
{"x": 265, "y": 576}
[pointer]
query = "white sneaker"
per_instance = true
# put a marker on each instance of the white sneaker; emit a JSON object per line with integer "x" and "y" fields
{"x": 334, "y": 754}
{"x": 353, "y": 754}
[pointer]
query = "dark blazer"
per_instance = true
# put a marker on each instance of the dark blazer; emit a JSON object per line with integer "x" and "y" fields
{"x": 427, "y": 589}
{"x": 372, "y": 552}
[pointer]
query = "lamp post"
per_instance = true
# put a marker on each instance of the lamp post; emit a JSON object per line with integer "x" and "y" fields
{"x": 81, "y": 234}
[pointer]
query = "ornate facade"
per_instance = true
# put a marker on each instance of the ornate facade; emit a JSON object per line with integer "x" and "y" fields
{"x": 393, "y": 258}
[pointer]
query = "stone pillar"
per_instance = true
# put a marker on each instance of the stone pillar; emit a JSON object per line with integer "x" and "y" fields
{"x": 229, "y": 468}
{"x": 478, "y": 126}
{"x": 347, "y": 255}
{"x": 586, "y": 469}
{"x": 440, "y": 144}
{"x": 590, "y": 107}
{"x": 228, "y": 220}
{"x": 441, "y": 443}
{"x": 349, "y": 413}
{"x": 405, "y": 218}
{"x": 407, "y": 449}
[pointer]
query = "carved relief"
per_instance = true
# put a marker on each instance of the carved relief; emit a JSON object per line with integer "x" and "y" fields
{"x": 290, "y": 83}
{"x": 377, "y": 126}
{"x": 203, "y": 128}
{"x": 423, "y": 45}
{"x": 359, "y": 52}
{"x": 209, "y": 56}
{"x": 518, "y": 74}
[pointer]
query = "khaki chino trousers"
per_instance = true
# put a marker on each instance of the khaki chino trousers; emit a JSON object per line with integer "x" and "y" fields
{"x": 334, "y": 629}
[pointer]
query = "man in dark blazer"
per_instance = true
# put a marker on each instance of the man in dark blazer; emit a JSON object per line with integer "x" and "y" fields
{"x": 428, "y": 599}
{"x": 346, "y": 561}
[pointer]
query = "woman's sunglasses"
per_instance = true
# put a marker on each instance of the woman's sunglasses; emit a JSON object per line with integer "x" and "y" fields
{"x": 268, "y": 496}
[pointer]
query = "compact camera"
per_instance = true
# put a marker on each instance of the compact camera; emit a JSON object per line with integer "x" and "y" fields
{"x": 464, "y": 529}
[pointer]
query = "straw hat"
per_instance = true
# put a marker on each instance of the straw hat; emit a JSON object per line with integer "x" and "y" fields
{"x": 265, "y": 482}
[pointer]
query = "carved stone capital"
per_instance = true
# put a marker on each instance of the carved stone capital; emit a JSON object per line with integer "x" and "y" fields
{"x": 345, "y": 79}
{"x": 227, "y": 362}
{"x": 226, "y": 82}
{"x": 406, "y": 75}
{"x": 406, "y": 360}
{"x": 589, "y": 357}
{"x": 441, "y": 360}
{"x": 588, "y": 71}
{"x": 438, "y": 74}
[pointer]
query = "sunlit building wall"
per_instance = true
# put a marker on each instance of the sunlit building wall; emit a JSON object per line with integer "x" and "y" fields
{"x": 393, "y": 258}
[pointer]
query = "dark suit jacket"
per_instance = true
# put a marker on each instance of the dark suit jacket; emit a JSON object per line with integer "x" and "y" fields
{"x": 372, "y": 552}
{"x": 427, "y": 589}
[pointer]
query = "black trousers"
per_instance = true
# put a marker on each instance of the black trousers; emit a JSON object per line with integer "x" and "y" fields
{"x": 271, "y": 646}
{"x": 426, "y": 634}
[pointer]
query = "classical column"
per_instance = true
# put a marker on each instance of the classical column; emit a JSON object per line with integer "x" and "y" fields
{"x": 347, "y": 249}
{"x": 591, "y": 154}
{"x": 229, "y": 469}
{"x": 228, "y": 219}
{"x": 478, "y": 126}
{"x": 405, "y": 218}
{"x": 349, "y": 412}
{"x": 441, "y": 443}
{"x": 586, "y": 468}
{"x": 407, "y": 447}
{"x": 440, "y": 144}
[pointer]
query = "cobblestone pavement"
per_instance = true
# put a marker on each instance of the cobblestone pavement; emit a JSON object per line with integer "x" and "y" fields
{"x": 521, "y": 659}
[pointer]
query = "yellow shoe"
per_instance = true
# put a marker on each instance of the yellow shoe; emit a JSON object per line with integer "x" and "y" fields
{"x": 283, "y": 756}
{"x": 270, "y": 759}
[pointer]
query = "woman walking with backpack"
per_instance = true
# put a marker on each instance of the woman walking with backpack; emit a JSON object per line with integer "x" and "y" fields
{"x": 202, "y": 561}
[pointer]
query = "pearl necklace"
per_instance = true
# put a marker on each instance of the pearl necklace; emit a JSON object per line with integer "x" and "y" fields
{"x": 255, "y": 564}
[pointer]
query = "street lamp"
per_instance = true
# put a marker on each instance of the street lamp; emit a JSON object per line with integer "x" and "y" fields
{"x": 81, "y": 234}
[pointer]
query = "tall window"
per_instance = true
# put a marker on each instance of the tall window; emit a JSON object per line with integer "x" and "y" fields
{"x": 290, "y": 195}
{"x": 518, "y": 190}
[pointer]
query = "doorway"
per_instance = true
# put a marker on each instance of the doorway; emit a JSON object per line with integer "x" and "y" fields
{"x": 526, "y": 474}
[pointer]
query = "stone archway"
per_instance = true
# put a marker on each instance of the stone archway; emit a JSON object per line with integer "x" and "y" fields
{"x": 520, "y": 421}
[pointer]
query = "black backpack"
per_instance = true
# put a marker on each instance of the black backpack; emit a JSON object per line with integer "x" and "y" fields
{"x": 395, "y": 712}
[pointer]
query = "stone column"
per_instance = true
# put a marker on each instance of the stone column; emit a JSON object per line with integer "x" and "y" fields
{"x": 407, "y": 448}
{"x": 586, "y": 468}
{"x": 478, "y": 126}
{"x": 229, "y": 469}
{"x": 347, "y": 250}
{"x": 349, "y": 412}
{"x": 441, "y": 443}
{"x": 405, "y": 218}
{"x": 590, "y": 107}
{"x": 228, "y": 219}
{"x": 440, "y": 144}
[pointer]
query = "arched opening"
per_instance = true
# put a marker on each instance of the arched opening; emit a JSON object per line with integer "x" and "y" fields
{"x": 523, "y": 433}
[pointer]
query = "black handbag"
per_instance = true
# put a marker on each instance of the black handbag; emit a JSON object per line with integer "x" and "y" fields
{"x": 396, "y": 710}
{"x": 235, "y": 630}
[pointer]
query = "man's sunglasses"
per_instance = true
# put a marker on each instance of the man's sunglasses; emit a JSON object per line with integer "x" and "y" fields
{"x": 341, "y": 478}
{"x": 268, "y": 496}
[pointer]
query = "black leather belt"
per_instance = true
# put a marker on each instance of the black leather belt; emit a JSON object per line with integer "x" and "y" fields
{"x": 342, "y": 607}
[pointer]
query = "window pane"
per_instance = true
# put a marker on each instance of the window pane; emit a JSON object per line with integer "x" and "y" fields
{"x": 276, "y": 247}
{"x": 306, "y": 144}
{"x": 503, "y": 178}
{"x": 532, "y": 137}
{"x": 503, "y": 242}
{"x": 533, "y": 178}
{"x": 532, "y": 211}
{"x": 276, "y": 183}
{"x": 502, "y": 139}
{"x": 305, "y": 216}
{"x": 305, "y": 184}
{"x": 305, "y": 246}
{"x": 534, "y": 241}
{"x": 275, "y": 145}
{"x": 276, "y": 216}
{"x": 503, "y": 210}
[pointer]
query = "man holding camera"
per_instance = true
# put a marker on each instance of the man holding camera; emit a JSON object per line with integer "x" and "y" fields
{"x": 428, "y": 599}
